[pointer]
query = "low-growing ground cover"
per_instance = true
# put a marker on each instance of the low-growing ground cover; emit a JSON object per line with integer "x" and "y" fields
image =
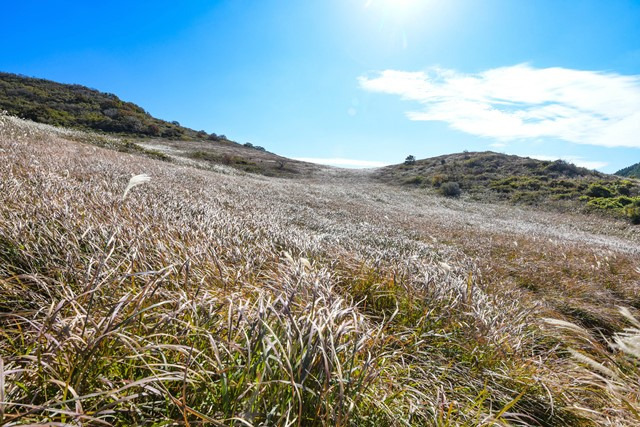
{"x": 212, "y": 298}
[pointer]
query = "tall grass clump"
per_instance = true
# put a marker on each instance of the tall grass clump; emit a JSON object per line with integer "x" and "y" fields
{"x": 607, "y": 371}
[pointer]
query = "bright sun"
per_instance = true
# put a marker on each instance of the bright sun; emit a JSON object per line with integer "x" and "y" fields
{"x": 402, "y": 4}
{"x": 396, "y": 8}
{"x": 399, "y": 19}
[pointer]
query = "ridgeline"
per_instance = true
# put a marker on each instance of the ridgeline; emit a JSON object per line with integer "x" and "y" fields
{"x": 80, "y": 107}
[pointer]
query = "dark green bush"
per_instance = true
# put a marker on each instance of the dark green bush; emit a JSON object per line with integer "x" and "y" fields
{"x": 633, "y": 213}
{"x": 564, "y": 168}
{"x": 623, "y": 187}
{"x": 599, "y": 190}
{"x": 450, "y": 189}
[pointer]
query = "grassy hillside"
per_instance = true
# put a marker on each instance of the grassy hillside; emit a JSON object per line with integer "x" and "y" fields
{"x": 130, "y": 129}
{"x": 492, "y": 177}
{"x": 632, "y": 171}
{"x": 210, "y": 298}
{"x": 208, "y": 154}
{"x": 76, "y": 106}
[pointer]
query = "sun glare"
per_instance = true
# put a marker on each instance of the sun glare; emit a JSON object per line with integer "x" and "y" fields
{"x": 401, "y": 3}
{"x": 398, "y": 10}
{"x": 399, "y": 20}
{"x": 393, "y": 4}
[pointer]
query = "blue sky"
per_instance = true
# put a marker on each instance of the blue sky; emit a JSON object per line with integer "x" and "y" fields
{"x": 365, "y": 81}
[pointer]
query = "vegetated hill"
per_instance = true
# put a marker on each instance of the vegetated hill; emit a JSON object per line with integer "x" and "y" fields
{"x": 207, "y": 298}
{"x": 493, "y": 177}
{"x": 80, "y": 107}
{"x": 632, "y": 171}
{"x": 134, "y": 130}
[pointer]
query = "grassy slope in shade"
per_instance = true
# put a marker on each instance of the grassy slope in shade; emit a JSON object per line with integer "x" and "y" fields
{"x": 632, "y": 171}
{"x": 206, "y": 297}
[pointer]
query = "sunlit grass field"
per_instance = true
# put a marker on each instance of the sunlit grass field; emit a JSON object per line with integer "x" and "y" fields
{"x": 221, "y": 298}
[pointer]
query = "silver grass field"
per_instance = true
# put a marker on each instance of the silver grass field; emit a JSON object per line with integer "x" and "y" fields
{"x": 140, "y": 292}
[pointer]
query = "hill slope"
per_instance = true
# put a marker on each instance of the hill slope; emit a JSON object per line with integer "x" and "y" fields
{"x": 133, "y": 130}
{"x": 632, "y": 171}
{"x": 493, "y": 177}
{"x": 77, "y": 106}
{"x": 211, "y": 298}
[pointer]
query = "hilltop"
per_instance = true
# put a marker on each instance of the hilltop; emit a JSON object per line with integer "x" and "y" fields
{"x": 494, "y": 177}
{"x": 79, "y": 107}
{"x": 632, "y": 171}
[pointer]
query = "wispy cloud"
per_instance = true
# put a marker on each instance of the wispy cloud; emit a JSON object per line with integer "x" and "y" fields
{"x": 345, "y": 163}
{"x": 521, "y": 102}
{"x": 576, "y": 160}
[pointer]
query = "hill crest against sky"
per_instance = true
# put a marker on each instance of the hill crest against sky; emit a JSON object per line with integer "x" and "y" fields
{"x": 630, "y": 171}
{"x": 80, "y": 107}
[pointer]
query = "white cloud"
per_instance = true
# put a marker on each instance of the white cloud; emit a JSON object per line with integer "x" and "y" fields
{"x": 576, "y": 160}
{"x": 341, "y": 162}
{"x": 522, "y": 102}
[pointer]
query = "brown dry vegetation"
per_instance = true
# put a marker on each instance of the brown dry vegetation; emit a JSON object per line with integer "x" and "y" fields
{"x": 211, "y": 298}
{"x": 206, "y": 154}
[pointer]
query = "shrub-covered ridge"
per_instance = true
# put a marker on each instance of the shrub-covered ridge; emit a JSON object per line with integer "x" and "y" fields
{"x": 494, "y": 177}
{"x": 77, "y": 106}
{"x": 632, "y": 171}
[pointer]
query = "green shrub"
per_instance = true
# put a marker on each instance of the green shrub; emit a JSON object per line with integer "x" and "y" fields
{"x": 613, "y": 202}
{"x": 599, "y": 190}
{"x": 564, "y": 168}
{"x": 633, "y": 213}
{"x": 604, "y": 203}
{"x": 450, "y": 189}
{"x": 623, "y": 187}
{"x": 526, "y": 197}
{"x": 437, "y": 180}
{"x": 624, "y": 200}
